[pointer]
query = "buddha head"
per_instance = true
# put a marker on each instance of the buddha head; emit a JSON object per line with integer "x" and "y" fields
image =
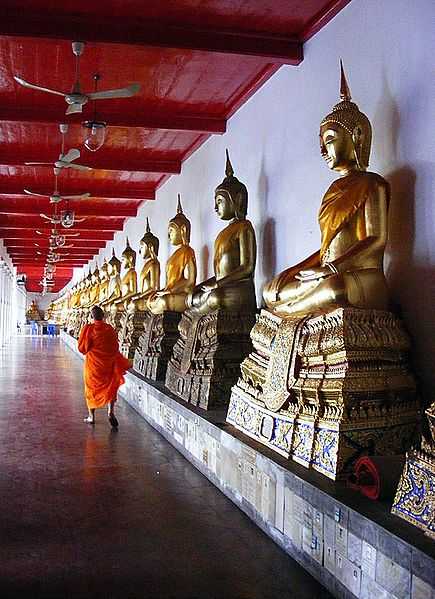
{"x": 88, "y": 280}
{"x": 104, "y": 275}
{"x": 345, "y": 134}
{"x": 231, "y": 196}
{"x": 114, "y": 265}
{"x": 128, "y": 256}
{"x": 149, "y": 244}
{"x": 96, "y": 276}
{"x": 179, "y": 227}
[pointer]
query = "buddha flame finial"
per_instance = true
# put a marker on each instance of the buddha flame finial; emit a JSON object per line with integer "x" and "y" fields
{"x": 128, "y": 244}
{"x": 179, "y": 206}
{"x": 113, "y": 252}
{"x": 229, "y": 171}
{"x": 148, "y": 230}
{"x": 344, "y": 87}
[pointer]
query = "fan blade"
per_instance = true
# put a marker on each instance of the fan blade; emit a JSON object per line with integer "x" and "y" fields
{"x": 83, "y": 196}
{"x": 79, "y": 220}
{"x": 74, "y": 108}
{"x": 71, "y": 234}
{"x": 38, "y": 163}
{"x": 38, "y": 87}
{"x": 78, "y": 167}
{"x": 71, "y": 155}
{"x": 39, "y": 232}
{"x": 123, "y": 92}
{"x": 67, "y": 247}
{"x": 32, "y": 193}
{"x": 45, "y": 216}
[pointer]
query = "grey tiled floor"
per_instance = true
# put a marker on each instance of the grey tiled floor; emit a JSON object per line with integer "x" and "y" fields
{"x": 87, "y": 512}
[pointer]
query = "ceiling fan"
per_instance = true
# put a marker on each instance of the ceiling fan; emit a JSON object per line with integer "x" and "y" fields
{"x": 56, "y": 197}
{"x": 64, "y": 160}
{"x": 76, "y": 99}
{"x": 66, "y": 218}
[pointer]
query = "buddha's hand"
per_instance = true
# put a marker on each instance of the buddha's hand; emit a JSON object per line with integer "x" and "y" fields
{"x": 207, "y": 287}
{"x": 312, "y": 274}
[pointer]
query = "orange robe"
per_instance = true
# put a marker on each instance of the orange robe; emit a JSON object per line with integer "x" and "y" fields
{"x": 104, "y": 364}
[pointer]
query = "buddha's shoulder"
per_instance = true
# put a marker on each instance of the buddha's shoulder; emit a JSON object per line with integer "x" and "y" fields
{"x": 375, "y": 180}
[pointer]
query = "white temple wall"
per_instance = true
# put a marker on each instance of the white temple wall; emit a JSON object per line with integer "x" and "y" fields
{"x": 387, "y": 48}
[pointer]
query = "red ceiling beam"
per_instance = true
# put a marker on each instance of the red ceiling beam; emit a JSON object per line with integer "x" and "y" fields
{"x": 12, "y": 244}
{"x": 36, "y": 222}
{"x": 116, "y": 163}
{"x": 174, "y": 122}
{"x": 67, "y": 187}
{"x": 98, "y": 28}
{"x": 32, "y": 205}
{"x": 16, "y": 234}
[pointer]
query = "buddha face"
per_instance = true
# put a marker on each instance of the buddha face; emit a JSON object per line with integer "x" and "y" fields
{"x": 337, "y": 147}
{"x": 145, "y": 250}
{"x": 224, "y": 206}
{"x": 174, "y": 234}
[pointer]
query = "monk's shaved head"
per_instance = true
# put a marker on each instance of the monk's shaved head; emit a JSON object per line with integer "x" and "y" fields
{"x": 97, "y": 313}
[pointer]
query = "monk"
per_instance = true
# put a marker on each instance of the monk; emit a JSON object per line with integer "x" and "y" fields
{"x": 105, "y": 366}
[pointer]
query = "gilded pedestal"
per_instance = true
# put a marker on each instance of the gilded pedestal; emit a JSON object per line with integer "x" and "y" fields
{"x": 206, "y": 358}
{"x": 415, "y": 496}
{"x": 131, "y": 328}
{"x": 324, "y": 390}
{"x": 155, "y": 345}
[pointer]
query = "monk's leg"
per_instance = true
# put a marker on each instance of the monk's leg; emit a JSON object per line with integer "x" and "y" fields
{"x": 90, "y": 419}
{"x": 111, "y": 414}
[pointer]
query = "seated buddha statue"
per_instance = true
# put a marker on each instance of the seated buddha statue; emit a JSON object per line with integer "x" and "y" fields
{"x": 149, "y": 278}
{"x": 232, "y": 286}
{"x": 114, "y": 284}
{"x": 348, "y": 268}
{"x": 180, "y": 268}
{"x": 94, "y": 292}
{"x": 129, "y": 280}
{"x": 104, "y": 281}
{"x": 214, "y": 330}
{"x": 328, "y": 379}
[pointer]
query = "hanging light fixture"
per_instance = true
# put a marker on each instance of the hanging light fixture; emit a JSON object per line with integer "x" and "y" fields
{"x": 95, "y": 130}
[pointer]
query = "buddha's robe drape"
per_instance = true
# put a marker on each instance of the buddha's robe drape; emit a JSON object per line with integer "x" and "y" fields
{"x": 105, "y": 366}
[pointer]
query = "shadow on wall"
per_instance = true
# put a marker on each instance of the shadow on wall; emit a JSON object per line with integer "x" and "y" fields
{"x": 412, "y": 284}
{"x": 204, "y": 257}
{"x": 266, "y": 234}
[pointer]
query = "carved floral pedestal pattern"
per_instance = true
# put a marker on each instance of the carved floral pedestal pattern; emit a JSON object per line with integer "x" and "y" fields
{"x": 207, "y": 356}
{"x": 131, "y": 328}
{"x": 327, "y": 389}
{"x": 415, "y": 496}
{"x": 155, "y": 345}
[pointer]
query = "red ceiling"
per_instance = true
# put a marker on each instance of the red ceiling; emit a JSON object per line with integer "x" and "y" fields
{"x": 177, "y": 50}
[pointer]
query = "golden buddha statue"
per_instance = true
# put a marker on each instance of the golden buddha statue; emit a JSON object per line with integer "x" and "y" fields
{"x": 32, "y": 312}
{"x": 353, "y": 219}
{"x": 232, "y": 286}
{"x": 160, "y": 323}
{"x": 94, "y": 292}
{"x": 180, "y": 268}
{"x": 114, "y": 283}
{"x": 104, "y": 281}
{"x": 329, "y": 373}
{"x": 149, "y": 280}
{"x": 214, "y": 331}
{"x": 129, "y": 280}
{"x": 132, "y": 322}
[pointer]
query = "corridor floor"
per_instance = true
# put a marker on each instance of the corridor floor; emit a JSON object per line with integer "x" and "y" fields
{"x": 88, "y": 512}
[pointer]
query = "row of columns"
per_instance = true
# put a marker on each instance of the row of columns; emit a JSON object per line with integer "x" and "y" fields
{"x": 12, "y": 303}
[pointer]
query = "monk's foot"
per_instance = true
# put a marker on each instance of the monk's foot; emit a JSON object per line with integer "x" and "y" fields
{"x": 113, "y": 421}
{"x": 89, "y": 420}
